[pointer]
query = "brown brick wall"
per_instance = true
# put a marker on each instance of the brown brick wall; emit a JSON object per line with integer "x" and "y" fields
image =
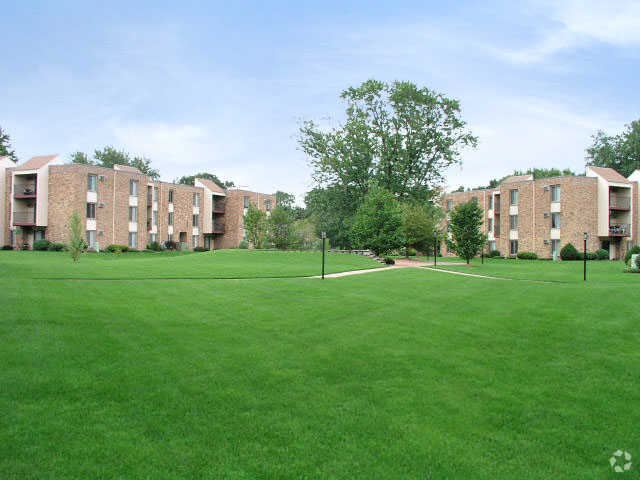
{"x": 234, "y": 215}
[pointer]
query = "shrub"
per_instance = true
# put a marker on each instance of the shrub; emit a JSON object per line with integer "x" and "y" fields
{"x": 638, "y": 263}
{"x": 7, "y": 247}
{"x": 243, "y": 244}
{"x": 117, "y": 248}
{"x": 57, "y": 247}
{"x": 411, "y": 252}
{"x": 200, "y": 249}
{"x": 24, "y": 246}
{"x": 632, "y": 251}
{"x": 602, "y": 254}
{"x": 527, "y": 256}
{"x": 592, "y": 256}
{"x": 389, "y": 261}
{"x": 569, "y": 252}
{"x": 171, "y": 245}
{"x": 41, "y": 245}
{"x": 494, "y": 253}
{"x": 155, "y": 246}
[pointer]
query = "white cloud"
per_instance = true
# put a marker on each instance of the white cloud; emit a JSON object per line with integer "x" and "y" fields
{"x": 579, "y": 23}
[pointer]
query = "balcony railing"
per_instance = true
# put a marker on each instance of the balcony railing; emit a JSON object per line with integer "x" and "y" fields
{"x": 27, "y": 217}
{"x": 619, "y": 202}
{"x": 619, "y": 230}
{"x": 218, "y": 227}
{"x": 24, "y": 190}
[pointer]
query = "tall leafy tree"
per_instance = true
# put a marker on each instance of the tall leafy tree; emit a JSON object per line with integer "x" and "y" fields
{"x": 190, "y": 179}
{"x": 465, "y": 222}
{"x": 5, "y": 146}
{"x": 255, "y": 226}
{"x": 399, "y": 135}
{"x": 281, "y": 228}
{"x": 378, "y": 222}
{"x": 332, "y": 209}
{"x": 620, "y": 152}
{"x": 109, "y": 156}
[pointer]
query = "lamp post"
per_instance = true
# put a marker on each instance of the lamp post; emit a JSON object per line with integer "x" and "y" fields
{"x": 324, "y": 236}
{"x": 584, "y": 256}
{"x": 435, "y": 248}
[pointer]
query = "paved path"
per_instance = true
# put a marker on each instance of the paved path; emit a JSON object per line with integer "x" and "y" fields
{"x": 358, "y": 272}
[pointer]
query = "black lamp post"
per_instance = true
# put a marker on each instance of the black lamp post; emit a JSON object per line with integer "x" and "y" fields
{"x": 435, "y": 248}
{"x": 324, "y": 236}
{"x": 584, "y": 256}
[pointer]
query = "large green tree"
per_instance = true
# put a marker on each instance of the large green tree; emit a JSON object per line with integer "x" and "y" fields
{"x": 287, "y": 201}
{"x": 396, "y": 135}
{"x": 5, "y": 146}
{"x": 190, "y": 179}
{"x": 378, "y": 222}
{"x": 465, "y": 222}
{"x": 109, "y": 156}
{"x": 620, "y": 152}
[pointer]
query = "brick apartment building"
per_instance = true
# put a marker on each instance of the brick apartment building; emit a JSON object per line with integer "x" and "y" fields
{"x": 117, "y": 206}
{"x": 541, "y": 216}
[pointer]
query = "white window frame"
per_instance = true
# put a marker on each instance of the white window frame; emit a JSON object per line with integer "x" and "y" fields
{"x": 556, "y": 223}
{"x": 89, "y": 234}
{"x": 513, "y": 224}
{"x": 133, "y": 188}
{"x": 133, "y": 214}
{"x": 513, "y": 196}
{"x": 133, "y": 239}
{"x": 554, "y": 189}
{"x": 511, "y": 249}
{"x": 92, "y": 181}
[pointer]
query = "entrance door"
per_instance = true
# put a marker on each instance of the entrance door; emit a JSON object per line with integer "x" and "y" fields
{"x": 207, "y": 242}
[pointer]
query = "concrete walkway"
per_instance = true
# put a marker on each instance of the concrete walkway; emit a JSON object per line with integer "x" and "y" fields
{"x": 358, "y": 272}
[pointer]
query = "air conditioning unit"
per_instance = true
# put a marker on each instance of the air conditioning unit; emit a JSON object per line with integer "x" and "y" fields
{"x": 546, "y": 215}
{"x": 547, "y": 188}
{"x": 546, "y": 242}
{"x": 100, "y": 233}
{"x": 102, "y": 178}
{"x": 100, "y": 205}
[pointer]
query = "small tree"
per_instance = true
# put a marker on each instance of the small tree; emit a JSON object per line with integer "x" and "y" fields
{"x": 466, "y": 238}
{"x": 418, "y": 224}
{"x": 255, "y": 225}
{"x": 378, "y": 222}
{"x": 281, "y": 231}
{"x": 76, "y": 243}
{"x": 569, "y": 252}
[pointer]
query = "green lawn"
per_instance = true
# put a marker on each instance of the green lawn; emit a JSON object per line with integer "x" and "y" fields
{"x": 214, "y": 264}
{"x": 606, "y": 271}
{"x": 404, "y": 373}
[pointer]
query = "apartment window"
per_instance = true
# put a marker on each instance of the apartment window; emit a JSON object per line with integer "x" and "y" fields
{"x": 195, "y": 220}
{"x": 267, "y": 205}
{"x": 513, "y": 247}
{"x": 153, "y": 237}
{"x": 170, "y": 196}
{"x": 490, "y": 225}
{"x": 555, "y": 220}
{"x": 91, "y": 238}
{"x": 513, "y": 196}
{"x": 513, "y": 222}
{"x": 449, "y": 205}
{"x": 490, "y": 202}
{"x": 38, "y": 235}
{"x": 91, "y": 210}
{"x": 555, "y": 193}
{"x": 92, "y": 183}
{"x": 133, "y": 214}
{"x": 155, "y": 194}
{"x": 196, "y": 199}
{"x": 155, "y": 217}
{"x": 170, "y": 219}
{"x": 245, "y": 201}
{"x": 492, "y": 245}
{"x": 555, "y": 248}
{"x": 133, "y": 239}
{"x": 133, "y": 187}
{"x": 196, "y": 238}
{"x": 170, "y": 237}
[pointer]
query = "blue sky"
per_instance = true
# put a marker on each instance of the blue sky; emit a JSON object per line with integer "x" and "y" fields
{"x": 222, "y": 86}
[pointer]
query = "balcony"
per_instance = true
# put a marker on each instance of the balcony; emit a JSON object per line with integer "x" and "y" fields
{"x": 619, "y": 202}
{"x": 619, "y": 230}
{"x": 24, "y": 218}
{"x": 24, "y": 190}
{"x": 218, "y": 207}
{"x": 218, "y": 228}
